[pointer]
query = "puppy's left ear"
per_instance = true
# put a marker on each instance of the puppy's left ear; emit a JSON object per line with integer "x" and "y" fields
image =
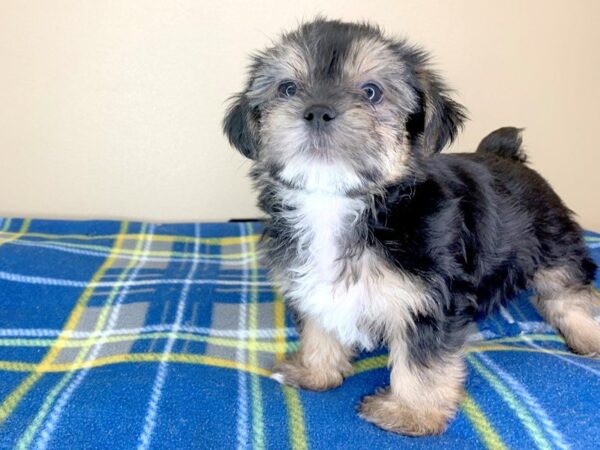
{"x": 239, "y": 125}
{"x": 437, "y": 118}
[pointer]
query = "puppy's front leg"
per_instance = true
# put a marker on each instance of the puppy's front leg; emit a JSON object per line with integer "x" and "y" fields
{"x": 422, "y": 397}
{"x": 320, "y": 363}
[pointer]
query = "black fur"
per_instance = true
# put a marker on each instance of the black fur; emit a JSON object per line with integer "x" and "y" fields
{"x": 476, "y": 227}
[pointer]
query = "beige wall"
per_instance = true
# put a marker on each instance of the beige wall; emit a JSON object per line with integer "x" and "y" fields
{"x": 113, "y": 108}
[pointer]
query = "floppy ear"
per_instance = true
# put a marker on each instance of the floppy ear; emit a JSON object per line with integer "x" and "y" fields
{"x": 239, "y": 125}
{"x": 436, "y": 118}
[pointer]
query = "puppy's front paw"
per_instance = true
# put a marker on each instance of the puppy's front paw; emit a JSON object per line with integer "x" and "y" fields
{"x": 293, "y": 373}
{"x": 389, "y": 413}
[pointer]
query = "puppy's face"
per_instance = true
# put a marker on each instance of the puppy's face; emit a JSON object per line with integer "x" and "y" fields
{"x": 338, "y": 107}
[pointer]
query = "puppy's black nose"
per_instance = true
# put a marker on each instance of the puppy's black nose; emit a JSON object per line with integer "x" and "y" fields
{"x": 319, "y": 115}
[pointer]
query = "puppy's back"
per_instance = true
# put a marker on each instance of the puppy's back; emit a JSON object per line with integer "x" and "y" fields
{"x": 524, "y": 204}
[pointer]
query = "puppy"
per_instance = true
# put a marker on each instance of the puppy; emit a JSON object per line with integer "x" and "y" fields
{"x": 374, "y": 237}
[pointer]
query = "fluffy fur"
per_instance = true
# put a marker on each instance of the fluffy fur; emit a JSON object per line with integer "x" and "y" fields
{"x": 374, "y": 237}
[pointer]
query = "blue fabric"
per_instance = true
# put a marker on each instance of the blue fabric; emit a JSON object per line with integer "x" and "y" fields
{"x": 124, "y": 335}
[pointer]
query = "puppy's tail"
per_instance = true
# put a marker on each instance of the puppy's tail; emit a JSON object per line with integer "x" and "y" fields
{"x": 505, "y": 142}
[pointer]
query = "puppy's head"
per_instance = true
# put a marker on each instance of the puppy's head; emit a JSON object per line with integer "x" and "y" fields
{"x": 338, "y": 107}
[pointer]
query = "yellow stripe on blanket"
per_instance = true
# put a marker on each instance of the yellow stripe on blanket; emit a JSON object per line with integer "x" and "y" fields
{"x": 484, "y": 428}
{"x": 15, "y": 397}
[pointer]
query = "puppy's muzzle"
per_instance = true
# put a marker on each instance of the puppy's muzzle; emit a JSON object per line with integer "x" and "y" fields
{"x": 319, "y": 116}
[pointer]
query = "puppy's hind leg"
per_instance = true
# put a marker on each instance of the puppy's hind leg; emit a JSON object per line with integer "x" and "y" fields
{"x": 569, "y": 306}
{"x": 320, "y": 363}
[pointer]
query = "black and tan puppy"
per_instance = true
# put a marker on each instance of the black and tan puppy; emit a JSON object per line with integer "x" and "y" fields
{"x": 374, "y": 237}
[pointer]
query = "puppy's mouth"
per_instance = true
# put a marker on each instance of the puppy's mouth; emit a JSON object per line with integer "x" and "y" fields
{"x": 320, "y": 142}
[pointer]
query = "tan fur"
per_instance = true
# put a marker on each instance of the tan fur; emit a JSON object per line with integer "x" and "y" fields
{"x": 570, "y": 309}
{"x": 421, "y": 400}
{"x": 386, "y": 411}
{"x": 296, "y": 62}
{"x": 321, "y": 363}
{"x": 287, "y": 62}
{"x": 370, "y": 59}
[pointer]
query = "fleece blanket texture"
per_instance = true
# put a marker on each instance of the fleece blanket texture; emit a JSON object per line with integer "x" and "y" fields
{"x": 137, "y": 335}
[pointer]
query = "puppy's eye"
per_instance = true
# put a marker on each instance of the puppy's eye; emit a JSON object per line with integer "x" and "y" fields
{"x": 287, "y": 89}
{"x": 373, "y": 93}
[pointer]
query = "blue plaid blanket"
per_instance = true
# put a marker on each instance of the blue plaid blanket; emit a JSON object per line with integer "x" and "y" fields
{"x": 138, "y": 335}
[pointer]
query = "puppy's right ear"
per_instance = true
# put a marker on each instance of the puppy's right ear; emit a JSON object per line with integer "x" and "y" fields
{"x": 239, "y": 126}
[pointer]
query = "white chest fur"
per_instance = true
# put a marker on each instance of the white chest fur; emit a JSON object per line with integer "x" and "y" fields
{"x": 359, "y": 306}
